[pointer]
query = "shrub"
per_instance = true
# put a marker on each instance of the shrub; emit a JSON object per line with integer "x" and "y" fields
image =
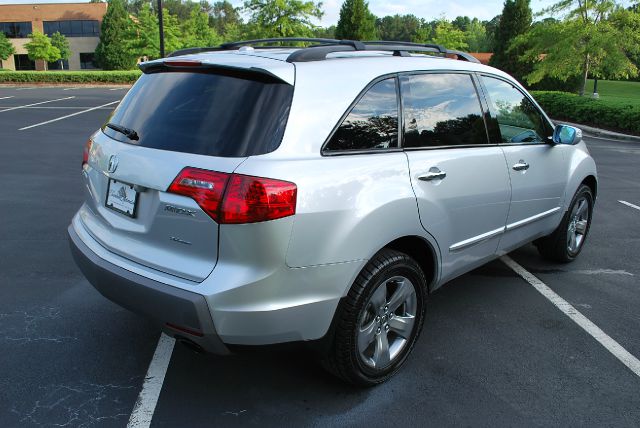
{"x": 612, "y": 114}
{"x": 70, "y": 76}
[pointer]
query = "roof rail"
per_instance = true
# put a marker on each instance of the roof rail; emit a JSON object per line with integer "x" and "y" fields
{"x": 324, "y": 47}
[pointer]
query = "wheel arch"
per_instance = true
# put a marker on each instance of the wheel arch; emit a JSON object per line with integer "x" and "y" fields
{"x": 592, "y": 182}
{"x": 423, "y": 252}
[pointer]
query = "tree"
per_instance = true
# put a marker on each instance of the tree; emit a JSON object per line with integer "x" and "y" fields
{"x": 595, "y": 39}
{"x": 325, "y": 33}
{"x": 491, "y": 27}
{"x": 398, "y": 27}
{"x": 462, "y": 23}
{"x": 223, "y": 15}
{"x": 196, "y": 31}
{"x": 6, "y": 48}
{"x": 144, "y": 36}
{"x": 40, "y": 48}
{"x": 424, "y": 33}
{"x": 515, "y": 20}
{"x": 111, "y": 53}
{"x": 282, "y": 18}
{"x": 447, "y": 35}
{"x": 356, "y": 21}
{"x": 60, "y": 41}
{"x": 476, "y": 37}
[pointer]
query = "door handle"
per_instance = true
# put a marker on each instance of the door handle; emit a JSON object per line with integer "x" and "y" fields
{"x": 433, "y": 174}
{"x": 521, "y": 166}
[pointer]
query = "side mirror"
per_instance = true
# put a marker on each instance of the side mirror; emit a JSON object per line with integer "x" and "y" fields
{"x": 565, "y": 134}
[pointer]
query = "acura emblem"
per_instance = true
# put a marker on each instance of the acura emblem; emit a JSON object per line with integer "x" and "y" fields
{"x": 113, "y": 164}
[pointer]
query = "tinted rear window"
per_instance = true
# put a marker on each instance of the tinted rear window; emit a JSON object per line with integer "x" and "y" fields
{"x": 204, "y": 113}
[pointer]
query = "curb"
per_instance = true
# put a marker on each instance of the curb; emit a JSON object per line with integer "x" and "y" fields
{"x": 590, "y": 131}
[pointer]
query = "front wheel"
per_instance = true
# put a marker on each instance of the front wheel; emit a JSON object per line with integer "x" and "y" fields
{"x": 566, "y": 242}
{"x": 379, "y": 320}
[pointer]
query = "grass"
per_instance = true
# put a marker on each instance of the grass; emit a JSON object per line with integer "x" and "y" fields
{"x": 615, "y": 91}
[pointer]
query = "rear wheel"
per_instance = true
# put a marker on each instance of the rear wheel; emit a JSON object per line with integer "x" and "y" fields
{"x": 379, "y": 320}
{"x": 566, "y": 242}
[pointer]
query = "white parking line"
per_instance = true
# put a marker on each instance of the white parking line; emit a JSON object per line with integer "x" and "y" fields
{"x": 148, "y": 398}
{"x": 605, "y": 340}
{"x": 629, "y": 204}
{"x": 35, "y": 104}
{"x": 67, "y": 116}
{"x": 4, "y": 98}
{"x": 56, "y": 107}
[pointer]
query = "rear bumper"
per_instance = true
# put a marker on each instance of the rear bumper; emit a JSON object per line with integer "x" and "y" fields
{"x": 161, "y": 302}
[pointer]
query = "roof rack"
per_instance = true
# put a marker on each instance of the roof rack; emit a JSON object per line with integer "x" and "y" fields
{"x": 323, "y": 47}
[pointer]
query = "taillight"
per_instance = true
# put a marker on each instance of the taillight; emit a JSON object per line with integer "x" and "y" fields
{"x": 236, "y": 198}
{"x": 253, "y": 199}
{"x": 205, "y": 187}
{"x": 85, "y": 153}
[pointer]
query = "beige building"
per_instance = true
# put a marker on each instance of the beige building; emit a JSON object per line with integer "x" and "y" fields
{"x": 79, "y": 22}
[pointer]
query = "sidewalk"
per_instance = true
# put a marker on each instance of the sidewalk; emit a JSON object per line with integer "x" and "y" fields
{"x": 590, "y": 131}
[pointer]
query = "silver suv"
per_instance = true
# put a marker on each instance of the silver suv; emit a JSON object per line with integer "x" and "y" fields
{"x": 246, "y": 195}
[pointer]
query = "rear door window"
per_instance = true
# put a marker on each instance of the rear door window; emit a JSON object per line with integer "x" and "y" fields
{"x": 372, "y": 124}
{"x": 518, "y": 118}
{"x": 441, "y": 109}
{"x": 204, "y": 113}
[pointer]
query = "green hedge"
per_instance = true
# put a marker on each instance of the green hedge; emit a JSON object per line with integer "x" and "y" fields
{"x": 70, "y": 76}
{"x": 611, "y": 114}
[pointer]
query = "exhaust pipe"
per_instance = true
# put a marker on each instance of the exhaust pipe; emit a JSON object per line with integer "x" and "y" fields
{"x": 190, "y": 344}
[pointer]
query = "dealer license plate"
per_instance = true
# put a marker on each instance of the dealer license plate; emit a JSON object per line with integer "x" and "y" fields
{"x": 121, "y": 197}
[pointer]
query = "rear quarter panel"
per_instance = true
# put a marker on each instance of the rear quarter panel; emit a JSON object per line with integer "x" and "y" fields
{"x": 348, "y": 207}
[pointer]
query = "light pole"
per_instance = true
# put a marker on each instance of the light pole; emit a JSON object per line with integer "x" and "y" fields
{"x": 161, "y": 28}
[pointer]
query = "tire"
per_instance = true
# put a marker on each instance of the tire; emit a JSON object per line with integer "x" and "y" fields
{"x": 388, "y": 295}
{"x": 559, "y": 246}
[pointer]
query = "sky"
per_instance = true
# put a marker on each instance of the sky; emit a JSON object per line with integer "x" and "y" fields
{"x": 428, "y": 9}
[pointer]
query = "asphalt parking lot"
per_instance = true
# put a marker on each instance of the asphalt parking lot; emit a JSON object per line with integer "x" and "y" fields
{"x": 494, "y": 351}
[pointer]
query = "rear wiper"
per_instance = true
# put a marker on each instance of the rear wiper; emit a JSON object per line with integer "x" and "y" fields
{"x": 128, "y": 132}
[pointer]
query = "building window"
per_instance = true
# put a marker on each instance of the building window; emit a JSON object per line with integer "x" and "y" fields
{"x": 73, "y": 28}
{"x": 57, "y": 65}
{"x": 23, "y": 62}
{"x": 16, "y": 30}
{"x": 87, "y": 61}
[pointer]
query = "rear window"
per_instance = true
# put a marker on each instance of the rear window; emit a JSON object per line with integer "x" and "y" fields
{"x": 204, "y": 113}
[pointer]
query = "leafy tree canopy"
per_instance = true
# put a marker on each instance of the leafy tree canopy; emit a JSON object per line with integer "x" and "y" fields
{"x": 446, "y": 34}
{"x": 398, "y": 27}
{"x": 40, "y": 48}
{"x": 476, "y": 37}
{"x": 144, "y": 35}
{"x": 515, "y": 20}
{"x": 282, "y": 18}
{"x": 595, "y": 38}
{"x": 116, "y": 24}
{"x": 6, "y": 48}
{"x": 356, "y": 21}
{"x": 223, "y": 15}
{"x": 196, "y": 31}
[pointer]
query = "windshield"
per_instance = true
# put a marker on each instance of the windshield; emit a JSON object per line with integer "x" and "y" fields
{"x": 203, "y": 113}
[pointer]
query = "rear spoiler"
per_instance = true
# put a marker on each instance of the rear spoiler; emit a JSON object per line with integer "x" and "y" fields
{"x": 195, "y": 66}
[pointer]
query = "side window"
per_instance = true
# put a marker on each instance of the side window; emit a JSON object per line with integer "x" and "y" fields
{"x": 441, "y": 110}
{"x": 373, "y": 122}
{"x": 518, "y": 118}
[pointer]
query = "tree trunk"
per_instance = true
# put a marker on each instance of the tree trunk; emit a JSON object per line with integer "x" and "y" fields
{"x": 585, "y": 71}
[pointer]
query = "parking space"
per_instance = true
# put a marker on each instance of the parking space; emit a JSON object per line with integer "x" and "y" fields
{"x": 494, "y": 350}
